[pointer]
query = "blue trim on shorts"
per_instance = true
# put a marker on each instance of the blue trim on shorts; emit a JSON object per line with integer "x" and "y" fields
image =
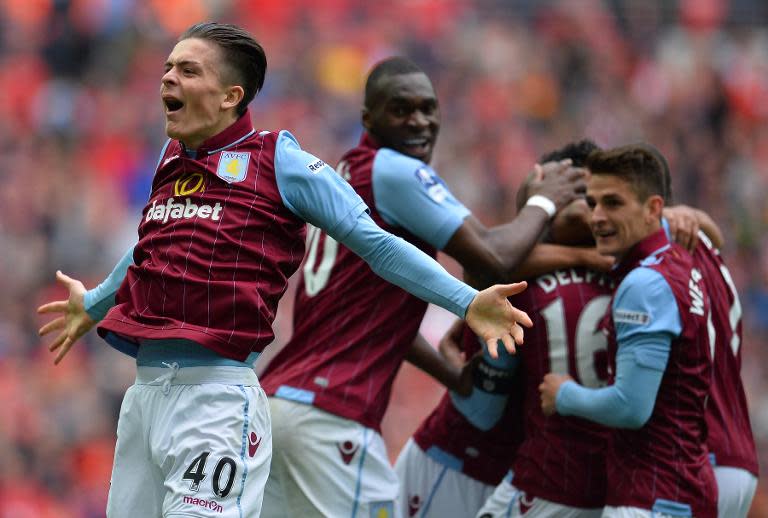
{"x": 512, "y": 501}
{"x": 445, "y": 458}
{"x": 242, "y": 450}
{"x": 433, "y": 491}
{"x": 712, "y": 459}
{"x": 360, "y": 472}
{"x": 298, "y": 395}
{"x": 671, "y": 508}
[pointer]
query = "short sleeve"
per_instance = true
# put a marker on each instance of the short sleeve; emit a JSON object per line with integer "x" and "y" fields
{"x": 313, "y": 191}
{"x": 409, "y": 194}
{"x": 645, "y": 304}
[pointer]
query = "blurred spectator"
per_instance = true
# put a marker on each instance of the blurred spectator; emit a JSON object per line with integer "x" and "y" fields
{"x": 80, "y": 120}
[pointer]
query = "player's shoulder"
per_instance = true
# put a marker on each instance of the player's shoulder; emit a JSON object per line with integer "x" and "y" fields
{"x": 643, "y": 283}
{"x": 389, "y": 162}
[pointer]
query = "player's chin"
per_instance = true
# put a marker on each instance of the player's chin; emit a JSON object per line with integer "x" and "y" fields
{"x": 422, "y": 152}
{"x": 606, "y": 245}
{"x": 173, "y": 129}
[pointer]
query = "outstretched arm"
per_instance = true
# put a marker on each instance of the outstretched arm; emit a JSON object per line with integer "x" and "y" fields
{"x": 83, "y": 309}
{"x": 321, "y": 197}
{"x": 488, "y": 313}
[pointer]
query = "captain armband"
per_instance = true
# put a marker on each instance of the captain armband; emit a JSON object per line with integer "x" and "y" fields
{"x": 491, "y": 379}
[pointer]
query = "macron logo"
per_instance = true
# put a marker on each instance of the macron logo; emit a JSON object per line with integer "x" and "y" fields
{"x": 253, "y": 444}
{"x": 188, "y": 210}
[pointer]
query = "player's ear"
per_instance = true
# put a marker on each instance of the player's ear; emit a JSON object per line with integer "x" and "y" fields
{"x": 654, "y": 205}
{"x": 234, "y": 95}
{"x": 365, "y": 116}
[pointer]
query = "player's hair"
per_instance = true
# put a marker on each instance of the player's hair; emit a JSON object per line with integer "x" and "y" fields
{"x": 634, "y": 164}
{"x": 577, "y": 151}
{"x": 664, "y": 169}
{"x": 393, "y": 66}
{"x": 244, "y": 57}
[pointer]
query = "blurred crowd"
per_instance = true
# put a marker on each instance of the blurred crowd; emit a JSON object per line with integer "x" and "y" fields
{"x": 81, "y": 127}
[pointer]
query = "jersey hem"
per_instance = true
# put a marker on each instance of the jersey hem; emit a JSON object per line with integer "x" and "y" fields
{"x": 737, "y": 461}
{"x": 331, "y": 407}
{"x": 133, "y": 330}
{"x": 486, "y": 479}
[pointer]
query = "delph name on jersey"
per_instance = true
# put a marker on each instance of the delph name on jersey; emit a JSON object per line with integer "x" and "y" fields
{"x": 171, "y": 210}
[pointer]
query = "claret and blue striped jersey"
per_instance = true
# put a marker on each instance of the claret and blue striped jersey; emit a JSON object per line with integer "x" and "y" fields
{"x": 352, "y": 328}
{"x": 221, "y": 234}
{"x": 665, "y": 462}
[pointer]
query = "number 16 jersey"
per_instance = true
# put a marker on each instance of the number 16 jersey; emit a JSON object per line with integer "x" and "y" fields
{"x": 562, "y": 459}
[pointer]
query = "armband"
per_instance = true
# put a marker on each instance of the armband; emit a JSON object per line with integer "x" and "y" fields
{"x": 491, "y": 379}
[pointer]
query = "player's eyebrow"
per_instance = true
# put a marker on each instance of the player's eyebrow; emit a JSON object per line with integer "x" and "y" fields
{"x": 183, "y": 62}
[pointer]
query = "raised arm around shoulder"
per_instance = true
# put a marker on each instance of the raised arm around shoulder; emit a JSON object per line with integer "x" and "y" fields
{"x": 546, "y": 257}
{"x": 710, "y": 228}
{"x": 493, "y": 255}
{"x": 683, "y": 224}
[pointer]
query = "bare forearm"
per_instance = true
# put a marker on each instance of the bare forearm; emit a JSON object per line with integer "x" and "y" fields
{"x": 426, "y": 358}
{"x": 492, "y": 255}
{"x": 545, "y": 258}
{"x": 513, "y": 241}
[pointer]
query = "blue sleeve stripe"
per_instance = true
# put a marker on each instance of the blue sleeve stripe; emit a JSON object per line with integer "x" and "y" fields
{"x": 162, "y": 153}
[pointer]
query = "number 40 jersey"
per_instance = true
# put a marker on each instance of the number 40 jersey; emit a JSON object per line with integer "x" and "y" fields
{"x": 562, "y": 459}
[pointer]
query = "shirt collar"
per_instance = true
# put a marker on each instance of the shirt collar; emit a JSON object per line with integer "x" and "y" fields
{"x": 238, "y": 131}
{"x": 651, "y": 245}
{"x": 367, "y": 140}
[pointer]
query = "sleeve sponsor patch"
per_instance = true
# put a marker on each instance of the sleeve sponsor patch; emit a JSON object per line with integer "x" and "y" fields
{"x": 434, "y": 186}
{"x": 626, "y": 316}
{"x": 314, "y": 167}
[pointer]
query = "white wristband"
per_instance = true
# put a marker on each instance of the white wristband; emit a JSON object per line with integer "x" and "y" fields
{"x": 537, "y": 200}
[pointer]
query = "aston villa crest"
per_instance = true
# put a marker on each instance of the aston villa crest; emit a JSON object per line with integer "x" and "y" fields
{"x": 233, "y": 166}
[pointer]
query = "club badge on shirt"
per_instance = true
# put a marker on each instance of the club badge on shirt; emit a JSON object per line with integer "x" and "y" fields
{"x": 233, "y": 166}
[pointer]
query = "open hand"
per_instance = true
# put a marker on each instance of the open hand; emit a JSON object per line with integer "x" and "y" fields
{"x": 683, "y": 225}
{"x": 493, "y": 318}
{"x": 559, "y": 181}
{"x": 73, "y": 323}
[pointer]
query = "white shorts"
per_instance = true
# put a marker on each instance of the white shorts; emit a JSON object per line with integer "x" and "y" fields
{"x": 191, "y": 442}
{"x": 634, "y": 512}
{"x": 429, "y": 489}
{"x": 326, "y": 466}
{"x": 735, "y": 488}
{"x": 509, "y": 502}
